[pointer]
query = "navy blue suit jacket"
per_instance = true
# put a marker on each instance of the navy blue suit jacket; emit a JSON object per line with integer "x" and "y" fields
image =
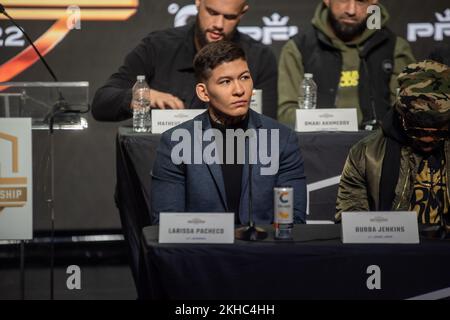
{"x": 200, "y": 187}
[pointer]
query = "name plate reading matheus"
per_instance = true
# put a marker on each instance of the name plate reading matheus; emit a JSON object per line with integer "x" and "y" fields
{"x": 196, "y": 227}
{"x": 312, "y": 120}
{"x": 163, "y": 120}
{"x": 380, "y": 227}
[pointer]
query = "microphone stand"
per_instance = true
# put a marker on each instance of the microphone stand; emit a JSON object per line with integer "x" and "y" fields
{"x": 250, "y": 232}
{"x": 59, "y": 108}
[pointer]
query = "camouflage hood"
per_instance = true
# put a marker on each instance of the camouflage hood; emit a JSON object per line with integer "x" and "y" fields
{"x": 424, "y": 94}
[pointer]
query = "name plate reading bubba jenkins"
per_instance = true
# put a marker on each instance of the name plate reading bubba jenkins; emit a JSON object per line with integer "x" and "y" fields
{"x": 380, "y": 227}
{"x": 163, "y": 120}
{"x": 311, "y": 120}
{"x": 196, "y": 227}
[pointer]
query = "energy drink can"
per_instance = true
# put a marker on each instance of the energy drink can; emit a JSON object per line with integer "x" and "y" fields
{"x": 283, "y": 212}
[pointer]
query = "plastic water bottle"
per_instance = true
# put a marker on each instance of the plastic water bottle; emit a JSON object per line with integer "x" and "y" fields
{"x": 141, "y": 106}
{"x": 308, "y": 93}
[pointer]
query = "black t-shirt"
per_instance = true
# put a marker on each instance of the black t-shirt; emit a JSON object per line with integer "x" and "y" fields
{"x": 232, "y": 173}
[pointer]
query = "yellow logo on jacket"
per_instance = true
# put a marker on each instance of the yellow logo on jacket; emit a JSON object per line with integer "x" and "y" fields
{"x": 349, "y": 79}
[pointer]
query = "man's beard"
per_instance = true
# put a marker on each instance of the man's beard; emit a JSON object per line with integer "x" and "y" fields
{"x": 343, "y": 31}
{"x": 200, "y": 35}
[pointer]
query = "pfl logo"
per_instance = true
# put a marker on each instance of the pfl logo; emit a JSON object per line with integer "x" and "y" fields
{"x": 275, "y": 27}
{"x": 437, "y": 30}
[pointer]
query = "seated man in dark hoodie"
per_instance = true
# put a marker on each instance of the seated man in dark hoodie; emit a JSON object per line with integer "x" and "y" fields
{"x": 405, "y": 165}
{"x": 353, "y": 66}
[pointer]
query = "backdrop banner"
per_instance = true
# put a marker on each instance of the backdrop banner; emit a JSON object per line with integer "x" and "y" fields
{"x": 88, "y": 40}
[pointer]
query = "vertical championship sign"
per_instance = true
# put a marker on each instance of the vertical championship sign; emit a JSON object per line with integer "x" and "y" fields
{"x": 16, "y": 194}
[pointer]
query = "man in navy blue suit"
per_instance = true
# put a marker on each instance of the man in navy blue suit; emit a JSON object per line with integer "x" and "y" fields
{"x": 204, "y": 165}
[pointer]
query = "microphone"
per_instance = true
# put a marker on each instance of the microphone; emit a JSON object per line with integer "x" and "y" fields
{"x": 374, "y": 122}
{"x": 250, "y": 232}
{"x": 2, "y": 8}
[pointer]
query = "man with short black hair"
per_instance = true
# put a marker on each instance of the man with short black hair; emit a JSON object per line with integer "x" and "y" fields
{"x": 353, "y": 66}
{"x": 220, "y": 182}
{"x": 165, "y": 58}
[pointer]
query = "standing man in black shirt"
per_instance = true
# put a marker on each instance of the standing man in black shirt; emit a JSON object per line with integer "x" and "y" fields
{"x": 165, "y": 58}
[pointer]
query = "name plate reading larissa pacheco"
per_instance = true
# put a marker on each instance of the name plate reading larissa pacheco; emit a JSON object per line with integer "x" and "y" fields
{"x": 380, "y": 227}
{"x": 312, "y": 120}
{"x": 163, "y": 120}
{"x": 183, "y": 227}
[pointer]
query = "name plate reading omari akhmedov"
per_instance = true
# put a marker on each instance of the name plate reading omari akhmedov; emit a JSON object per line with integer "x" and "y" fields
{"x": 196, "y": 227}
{"x": 380, "y": 227}
{"x": 310, "y": 120}
{"x": 163, "y": 120}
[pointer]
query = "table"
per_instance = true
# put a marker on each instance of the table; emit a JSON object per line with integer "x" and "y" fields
{"x": 314, "y": 266}
{"x": 324, "y": 156}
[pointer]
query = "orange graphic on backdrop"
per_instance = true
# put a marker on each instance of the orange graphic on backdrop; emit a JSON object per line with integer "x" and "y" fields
{"x": 91, "y": 10}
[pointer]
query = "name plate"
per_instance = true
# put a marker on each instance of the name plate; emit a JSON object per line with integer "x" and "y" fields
{"x": 380, "y": 227}
{"x": 311, "y": 120}
{"x": 163, "y": 120}
{"x": 196, "y": 227}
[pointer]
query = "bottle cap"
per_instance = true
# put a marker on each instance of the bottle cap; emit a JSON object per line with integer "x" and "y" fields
{"x": 308, "y": 75}
{"x": 140, "y": 78}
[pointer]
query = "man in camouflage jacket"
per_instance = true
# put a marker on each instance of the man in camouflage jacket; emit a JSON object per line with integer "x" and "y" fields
{"x": 405, "y": 165}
